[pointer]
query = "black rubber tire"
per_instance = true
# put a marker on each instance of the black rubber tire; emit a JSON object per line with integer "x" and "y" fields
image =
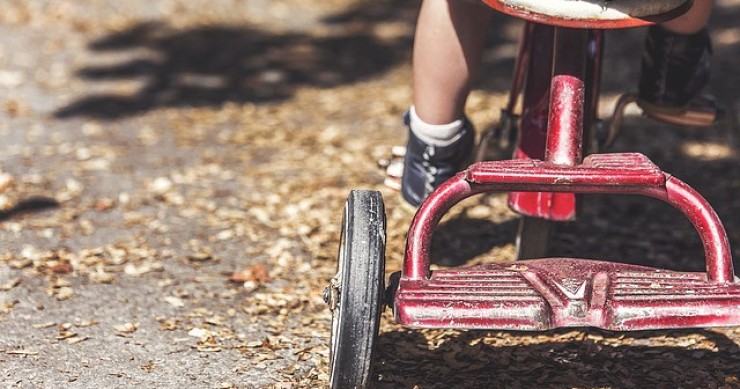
{"x": 360, "y": 282}
{"x": 533, "y": 237}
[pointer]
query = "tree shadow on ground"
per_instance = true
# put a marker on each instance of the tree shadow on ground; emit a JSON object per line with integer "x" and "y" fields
{"x": 209, "y": 66}
{"x": 212, "y": 65}
{"x": 28, "y": 206}
{"x": 556, "y": 359}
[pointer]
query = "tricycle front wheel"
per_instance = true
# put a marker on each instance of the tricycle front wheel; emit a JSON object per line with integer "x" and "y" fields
{"x": 356, "y": 292}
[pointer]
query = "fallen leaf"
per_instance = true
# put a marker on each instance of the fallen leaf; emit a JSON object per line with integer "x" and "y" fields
{"x": 10, "y": 284}
{"x": 257, "y": 273}
{"x": 65, "y": 293}
{"x": 63, "y": 267}
{"x": 6, "y": 181}
{"x": 174, "y": 301}
{"x": 66, "y": 335}
{"x": 22, "y": 352}
{"x": 126, "y": 328}
{"x": 148, "y": 367}
{"x": 75, "y": 340}
{"x": 199, "y": 332}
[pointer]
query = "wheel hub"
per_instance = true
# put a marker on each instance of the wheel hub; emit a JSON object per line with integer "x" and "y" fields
{"x": 331, "y": 294}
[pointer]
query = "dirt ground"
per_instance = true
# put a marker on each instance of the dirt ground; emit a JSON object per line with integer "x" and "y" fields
{"x": 172, "y": 176}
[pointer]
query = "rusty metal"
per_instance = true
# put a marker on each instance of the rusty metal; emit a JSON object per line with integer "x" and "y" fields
{"x": 623, "y": 173}
{"x": 543, "y": 294}
{"x": 533, "y": 126}
{"x": 529, "y": 294}
{"x": 548, "y": 170}
{"x": 565, "y": 130}
{"x": 565, "y": 122}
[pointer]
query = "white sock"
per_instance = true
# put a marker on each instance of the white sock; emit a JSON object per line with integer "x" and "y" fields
{"x": 435, "y": 134}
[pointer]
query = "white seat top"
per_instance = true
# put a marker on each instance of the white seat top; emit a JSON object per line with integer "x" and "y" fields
{"x": 596, "y": 9}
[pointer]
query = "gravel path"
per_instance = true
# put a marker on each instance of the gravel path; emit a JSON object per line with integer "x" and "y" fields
{"x": 171, "y": 182}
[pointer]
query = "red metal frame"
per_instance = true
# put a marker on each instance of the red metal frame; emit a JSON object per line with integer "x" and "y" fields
{"x": 539, "y": 113}
{"x": 543, "y": 294}
{"x": 543, "y": 179}
{"x": 565, "y": 292}
{"x": 600, "y": 173}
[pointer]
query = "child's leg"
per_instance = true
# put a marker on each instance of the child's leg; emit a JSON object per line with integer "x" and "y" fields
{"x": 692, "y": 21}
{"x": 447, "y": 48}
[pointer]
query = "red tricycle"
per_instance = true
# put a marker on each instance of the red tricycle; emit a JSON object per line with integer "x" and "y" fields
{"x": 557, "y": 73}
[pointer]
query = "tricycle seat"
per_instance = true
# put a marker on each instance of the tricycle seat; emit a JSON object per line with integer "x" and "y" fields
{"x": 600, "y": 14}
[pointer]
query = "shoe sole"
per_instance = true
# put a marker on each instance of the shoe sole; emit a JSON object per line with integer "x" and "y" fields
{"x": 693, "y": 115}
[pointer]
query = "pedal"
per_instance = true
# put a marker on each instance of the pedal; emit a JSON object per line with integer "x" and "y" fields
{"x": 702, "y": 112}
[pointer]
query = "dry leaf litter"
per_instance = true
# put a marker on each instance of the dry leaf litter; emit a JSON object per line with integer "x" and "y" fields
{"x": 224, "y": 217}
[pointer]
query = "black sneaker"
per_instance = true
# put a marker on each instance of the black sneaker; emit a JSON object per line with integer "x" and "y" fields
{"x": 426, "y": 167}
{"x": 675, "y": 69}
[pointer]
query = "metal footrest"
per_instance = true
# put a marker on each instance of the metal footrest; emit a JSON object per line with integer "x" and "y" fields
{"x": 604, "y": 170}
{"x": 552, "y": 293}
{"x": 607, "y": 170}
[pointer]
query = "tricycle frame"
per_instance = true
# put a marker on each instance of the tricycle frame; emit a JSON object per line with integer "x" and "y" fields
{"x": 548, "y": 169}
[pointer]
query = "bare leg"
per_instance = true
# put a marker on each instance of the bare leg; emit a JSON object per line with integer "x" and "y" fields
{"x": 449, "y": 40}
{"x": 693, "y": 20}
